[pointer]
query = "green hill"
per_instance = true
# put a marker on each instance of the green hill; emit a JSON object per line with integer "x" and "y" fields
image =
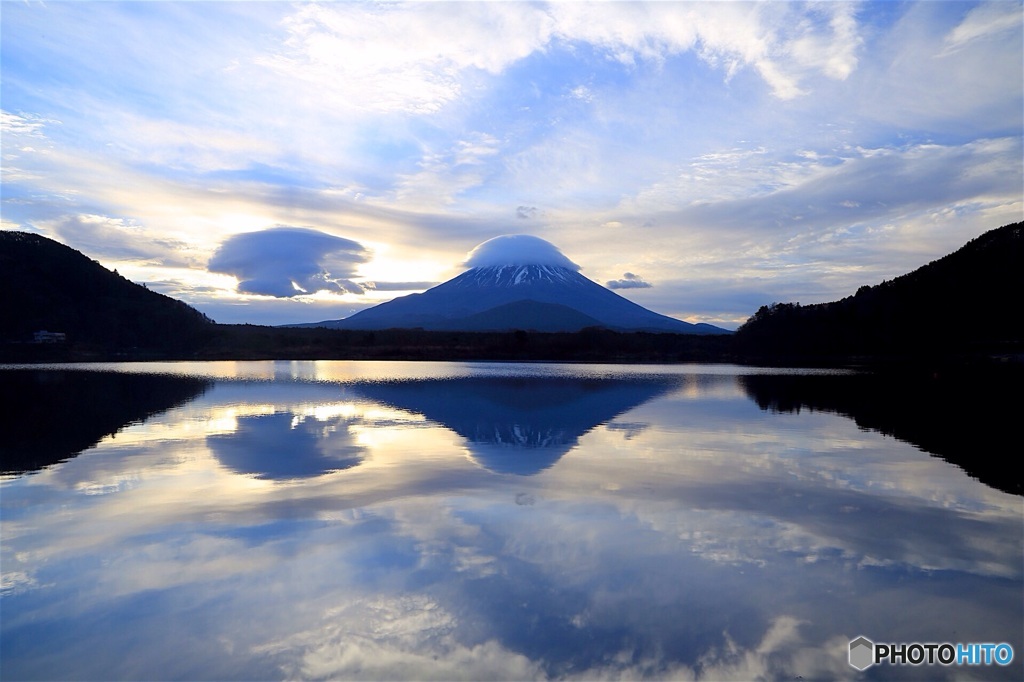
{"x": 970, "y": 301}
{"x": 45, "y": 285}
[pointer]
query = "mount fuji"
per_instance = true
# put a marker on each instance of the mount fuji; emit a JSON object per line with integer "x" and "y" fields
{"x": 516, "y": 282}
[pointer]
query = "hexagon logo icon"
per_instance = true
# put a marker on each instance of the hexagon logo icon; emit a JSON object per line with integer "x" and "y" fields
{"x": 862, "y": 653}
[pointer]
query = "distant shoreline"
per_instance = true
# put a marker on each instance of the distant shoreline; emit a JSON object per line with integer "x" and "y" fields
{"x": 254, "y": 343}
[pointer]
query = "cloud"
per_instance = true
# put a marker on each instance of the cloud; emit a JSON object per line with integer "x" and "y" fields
{"x": 784, "y": 43}
{"x": 942, "y": 72}
{"x": 985, "y": 20}
{"x": 104, "y": 237}
{"x": 387, "y": 637}
{"x": 274, "y": 311}
{"x": 866, "y": 184}
{"x": 381, "y": 576}
{"x": 398, "y": 286}
{"x": 315, "y": 446}
{"x": 435, "y": 126}
{"x": 385, "y": 57}
{"x": 420, "y": 59}
{"x": 826, "y": 40}
{"x": 290, "y": 261}
{"x": 517, "y": 249}
{"x": 445, "y": 174}
{"x": 582, "y": 93}
{"x": 22, "y": 124}
{"x": 629, "y": 281}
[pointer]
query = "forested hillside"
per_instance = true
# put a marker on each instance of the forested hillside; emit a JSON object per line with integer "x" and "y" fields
{"x": 48, "y": 286}
{"x": 969, "y": 301}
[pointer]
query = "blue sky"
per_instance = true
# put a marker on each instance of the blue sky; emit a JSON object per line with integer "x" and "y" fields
{"x": 708, "y": 157}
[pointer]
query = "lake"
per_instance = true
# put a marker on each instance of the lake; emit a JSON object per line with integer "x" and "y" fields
{"x": 362, "y": 520}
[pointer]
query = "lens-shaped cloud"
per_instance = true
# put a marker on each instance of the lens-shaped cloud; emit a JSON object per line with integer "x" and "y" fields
{"x": 290, "y": 261}
{"x": 517, "y": 249}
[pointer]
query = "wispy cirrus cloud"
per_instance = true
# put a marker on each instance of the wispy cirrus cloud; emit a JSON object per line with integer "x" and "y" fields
{"x": 22, "y": 124}
{"x": 420, "y": 59}
{"x": 985, "y": 20}
{"x": 783, "y": 43}
{"x": 779, "y": 146}
{"x": 397, "y": 58}
{"x": 444, "y": 175}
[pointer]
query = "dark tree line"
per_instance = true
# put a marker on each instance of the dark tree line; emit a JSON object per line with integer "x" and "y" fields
{"x": 971, "y": 301}
{"x": 45, "y": 285}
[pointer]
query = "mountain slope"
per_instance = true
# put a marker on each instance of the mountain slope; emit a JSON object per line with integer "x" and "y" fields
{"x": 546, "y": 298}
{"x": 533, "y": 315}
{"x": 970, "y": 299}
{"x": 49, "y": 286}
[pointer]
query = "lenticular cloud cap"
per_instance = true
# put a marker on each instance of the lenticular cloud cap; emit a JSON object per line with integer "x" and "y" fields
{"x": 517, "y": 249}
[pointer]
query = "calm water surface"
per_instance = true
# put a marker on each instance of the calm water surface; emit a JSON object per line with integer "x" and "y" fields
{"x": 337, "y": 520}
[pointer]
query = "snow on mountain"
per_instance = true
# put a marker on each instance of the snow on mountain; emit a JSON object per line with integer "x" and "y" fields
{"x": 516, "y": 275}
{"x": 517, "y": 282}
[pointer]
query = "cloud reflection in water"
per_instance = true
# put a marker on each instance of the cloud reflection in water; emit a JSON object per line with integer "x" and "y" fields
{"x": 283, "y": 446}
{"x": 688, "y": 535}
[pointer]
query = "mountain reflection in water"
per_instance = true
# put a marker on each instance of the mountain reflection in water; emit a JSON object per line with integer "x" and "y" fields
{"x": 519, "y": 425}
{"x": 464, "y": 521}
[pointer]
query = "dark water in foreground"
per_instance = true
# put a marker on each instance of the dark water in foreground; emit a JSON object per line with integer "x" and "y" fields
{"x": 473, "y": 521}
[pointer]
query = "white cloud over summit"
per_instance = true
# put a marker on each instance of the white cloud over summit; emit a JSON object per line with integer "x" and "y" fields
{"x": 742, "y": 144}
{"x": 517, "y": 249}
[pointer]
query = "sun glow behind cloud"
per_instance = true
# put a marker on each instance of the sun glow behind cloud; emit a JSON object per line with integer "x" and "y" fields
{"x": 728, "y": 154}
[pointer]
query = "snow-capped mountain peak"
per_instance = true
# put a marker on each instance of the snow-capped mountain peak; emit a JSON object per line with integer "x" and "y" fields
{"x": 517, "y": 275}
{"x": 517, "y": 282}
